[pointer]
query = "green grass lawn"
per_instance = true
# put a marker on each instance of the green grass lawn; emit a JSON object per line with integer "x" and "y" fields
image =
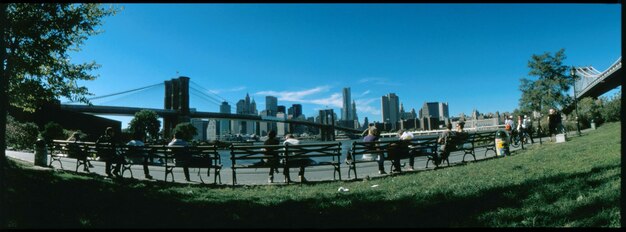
{"x": 572, "y": 184}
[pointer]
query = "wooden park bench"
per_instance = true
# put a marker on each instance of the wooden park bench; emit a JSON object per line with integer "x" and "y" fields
{"x": 188, "y": 157}
{"x": 270, "y": 156}
{"x": 483, "y": 139}
{"x": 423, "y": 146}
{"x": 81, "y": 151}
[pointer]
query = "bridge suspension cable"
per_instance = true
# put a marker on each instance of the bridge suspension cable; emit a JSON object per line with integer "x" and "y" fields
{"x": 212, "y": 92}
{"x": 204, "y": 96}
{"x": 123, "y": 92}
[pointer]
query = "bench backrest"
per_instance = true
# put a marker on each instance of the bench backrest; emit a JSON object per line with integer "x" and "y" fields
{"x": 359, "y": 149}
{"x": 483, "y": 138}
{"x": 312, "y": 150}
{"x": 74, "y": 149}
{"x": 254, "y": 152}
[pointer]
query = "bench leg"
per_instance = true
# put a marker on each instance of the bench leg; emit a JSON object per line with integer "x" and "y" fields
{"x": 234, "y": 176}
{"x": 169, "y": 170}
{"x": 54, "y": 158}
{"x": 127, "y": 167}
{"x": 216, "y": 175}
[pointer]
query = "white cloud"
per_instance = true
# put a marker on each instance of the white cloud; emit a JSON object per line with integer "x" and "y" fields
{"x": 364, "y": 93}
{"x": 363, "y": 106}
{"x": 378, "y": 81}
{"x": 335, "y": 100}
{"x": 295, "y": 96}
{"x": 217, "y": 91}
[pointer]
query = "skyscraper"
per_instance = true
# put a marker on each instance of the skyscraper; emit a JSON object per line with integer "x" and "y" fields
{"x": 346, "y": 111}
{"x": 224, "y": 123}
{"x": 271, "y": 105}
{"x": 437, "y": 110}
{"x": 294, "y": 111}
{"x": 281, "y": 109}
{"x": 390, "y": 106}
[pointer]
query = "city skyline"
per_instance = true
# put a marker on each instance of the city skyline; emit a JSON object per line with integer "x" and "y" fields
{"x": 307, "y": 53}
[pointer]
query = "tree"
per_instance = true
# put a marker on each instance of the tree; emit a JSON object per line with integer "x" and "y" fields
{"x": 52, "y": 131}
{"x": 145, "y": 122}
{"x": 589, "y": 110}
{"x": 611, "y": 108}
{"x": 550, "y": 88}
{"x": 187, "y": 130}
{"x": 34, "y": 46}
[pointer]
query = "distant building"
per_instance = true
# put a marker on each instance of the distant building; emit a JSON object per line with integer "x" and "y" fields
{"x": 346, "y": 111}
{"x": 224, "y": 124}
{"x": 436, "y": 110}
{"x": 200, "y": 126}
{"x": 271, "y": 105}
{"x": 295, "y": 110}
{"x": 246, "y": 107}
{"x": 280, "y": 109}
{"x": 212, "y": 130}
{"x": 281, "y": 127}
{"x": 390, "y": 107}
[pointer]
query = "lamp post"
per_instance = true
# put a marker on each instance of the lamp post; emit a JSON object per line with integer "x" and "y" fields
{"x": 573, "y": 73}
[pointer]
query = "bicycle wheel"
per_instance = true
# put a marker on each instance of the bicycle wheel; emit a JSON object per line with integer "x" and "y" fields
{"x": 515, "y": 141}
{"x": 527, "y": 139}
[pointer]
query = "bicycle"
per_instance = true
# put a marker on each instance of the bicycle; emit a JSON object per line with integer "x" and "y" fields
{"x": 517, "y": 138}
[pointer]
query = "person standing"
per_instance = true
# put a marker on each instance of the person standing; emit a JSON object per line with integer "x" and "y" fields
{"x": 526, "y": 128}
{"x": 553, "y": 123}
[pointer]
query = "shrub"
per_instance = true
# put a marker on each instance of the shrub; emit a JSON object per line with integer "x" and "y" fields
{"x": 187, "y": 130}
{"x": 21, "y": 135}
{"x": 52, "y": 131}
{"x": 611, "y": 110}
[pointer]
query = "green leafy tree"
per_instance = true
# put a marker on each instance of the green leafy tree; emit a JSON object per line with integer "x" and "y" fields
{"x": 588, "y": 110}
{"x": 51, "y": 131}
{"x": 549, "y": 89}
{"x": 611, "y": 108}
{"x": 187, "y": 131}
{"x": 34, "y": 47}
{"x": 21, "y": 135}
{"x": 146, "y": 122}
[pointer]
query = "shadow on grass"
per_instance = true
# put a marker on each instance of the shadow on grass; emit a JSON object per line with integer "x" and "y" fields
{"x": 43, "y": 199}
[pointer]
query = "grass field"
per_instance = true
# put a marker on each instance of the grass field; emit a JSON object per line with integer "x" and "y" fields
{"x": 572, "y": 184}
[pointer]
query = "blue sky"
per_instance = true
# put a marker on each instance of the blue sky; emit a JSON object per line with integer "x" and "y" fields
{"x": 469, "y": 55}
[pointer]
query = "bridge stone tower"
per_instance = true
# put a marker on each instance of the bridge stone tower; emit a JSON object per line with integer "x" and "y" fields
{"x": 176, "y": 98}
{"x": 327, "y": 132}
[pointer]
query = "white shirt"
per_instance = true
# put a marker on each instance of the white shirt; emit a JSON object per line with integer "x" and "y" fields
{"x": 406, "y": 136}
{"x": 291, "y": 141}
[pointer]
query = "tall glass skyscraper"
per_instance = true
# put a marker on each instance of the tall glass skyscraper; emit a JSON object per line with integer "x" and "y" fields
{"x": 346, "y": 111}
{"x": 224, "y": 123}
{"x": 390, "y": 106}
{"x": 271, "y": 105}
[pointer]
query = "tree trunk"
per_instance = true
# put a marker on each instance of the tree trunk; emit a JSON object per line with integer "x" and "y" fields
{"x": 4, "y": 103}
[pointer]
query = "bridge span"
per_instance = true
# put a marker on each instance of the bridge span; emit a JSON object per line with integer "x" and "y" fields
{"x": 164, "y": 113}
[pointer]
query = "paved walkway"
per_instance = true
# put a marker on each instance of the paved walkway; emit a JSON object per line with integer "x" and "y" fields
{"x": 260, "y": 176}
